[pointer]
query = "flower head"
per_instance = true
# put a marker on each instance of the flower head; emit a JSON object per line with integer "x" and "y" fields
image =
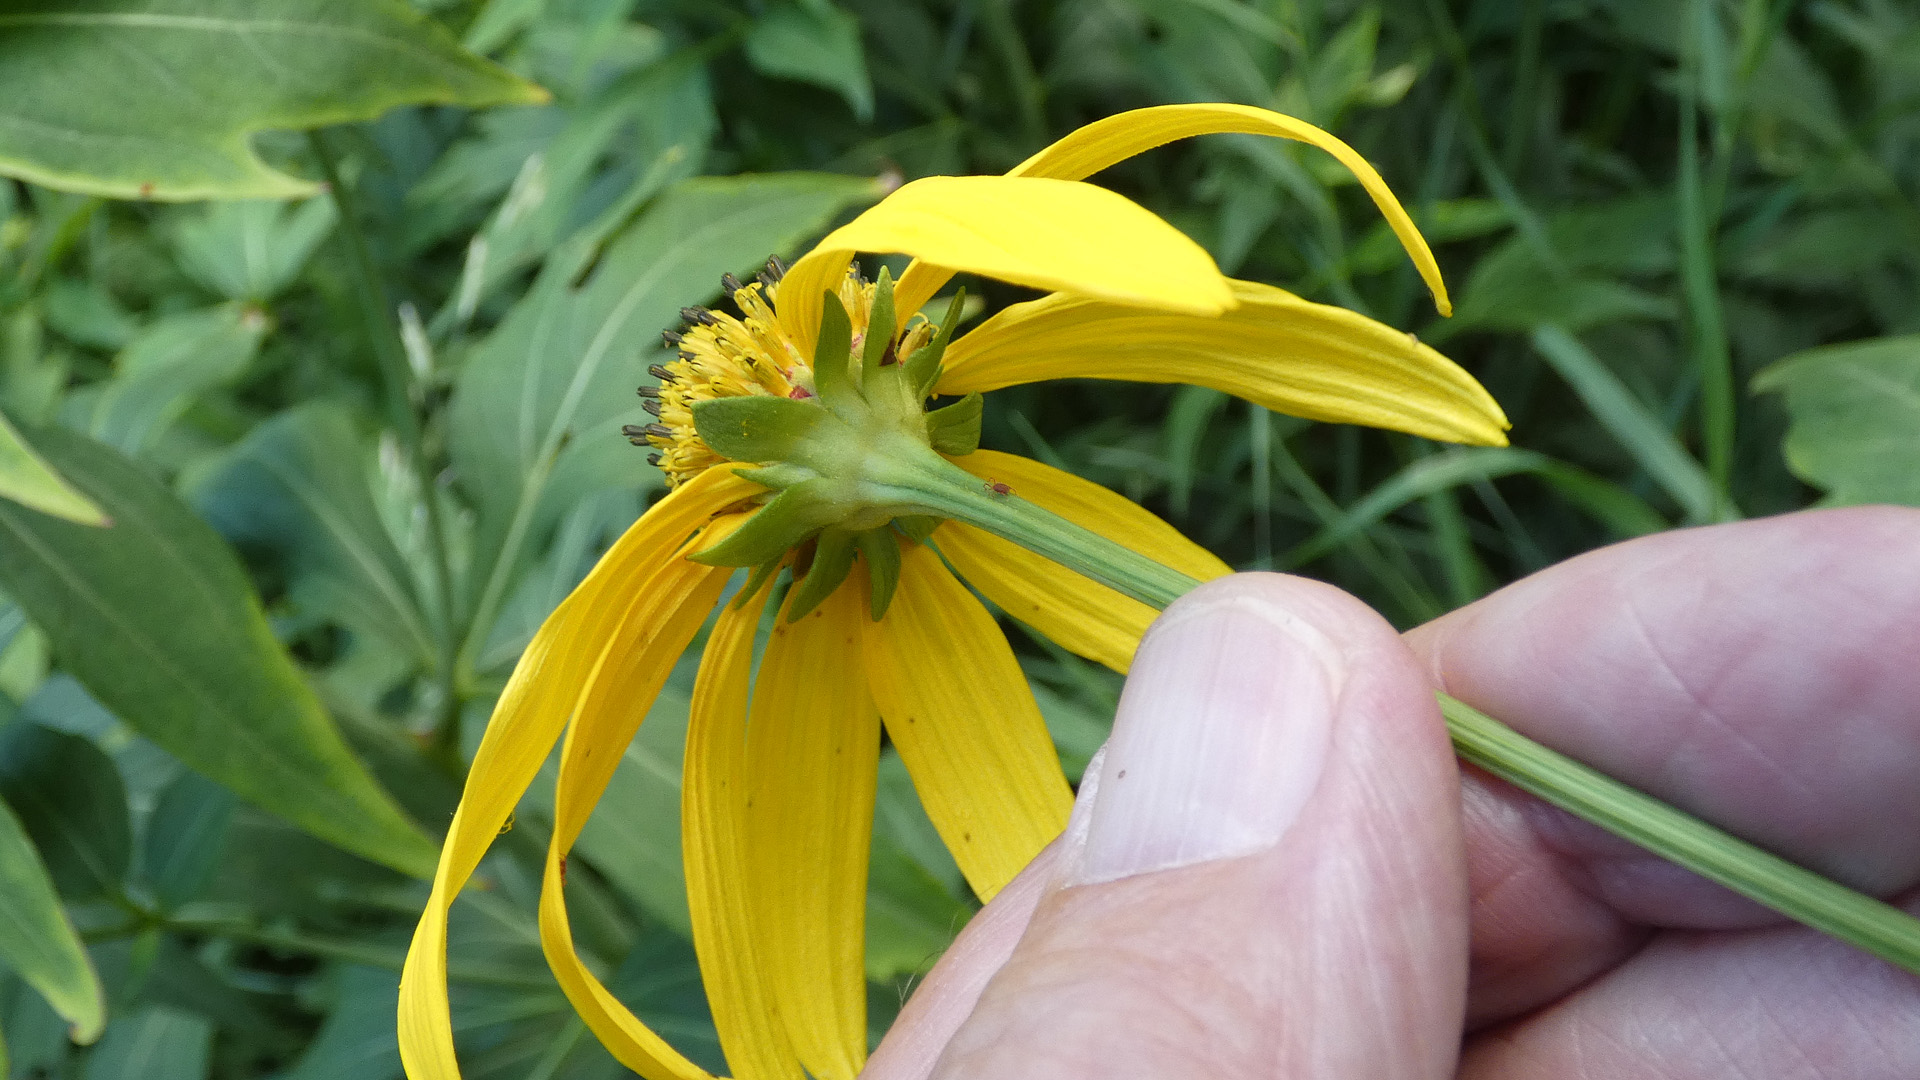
{"x": 797, "y": 441}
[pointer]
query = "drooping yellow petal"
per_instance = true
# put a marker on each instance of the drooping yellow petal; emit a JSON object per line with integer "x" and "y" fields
{"x": 662, "y": 617}
{"x": 961, "y": 714}
{"x": 713, "y": 808}
{"x": 533, "y": 709}
{"x": 1113, "y": 139}
{"x": 1077, "y": 613}
{"x": 1080, "y": 614}
{"x": 813, "y": 751}
{"x": 1039, "y": 232}
{"x": 1275, "y": 349}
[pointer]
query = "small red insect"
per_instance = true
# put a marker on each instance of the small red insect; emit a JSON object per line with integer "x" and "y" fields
{"x": 995, "y": 487}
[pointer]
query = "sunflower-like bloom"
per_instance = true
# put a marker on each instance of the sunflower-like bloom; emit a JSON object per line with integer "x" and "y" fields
{"x": 779, "y": 772}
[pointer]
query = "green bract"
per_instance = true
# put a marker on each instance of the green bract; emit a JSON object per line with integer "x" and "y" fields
{"x": 847, "y": 461}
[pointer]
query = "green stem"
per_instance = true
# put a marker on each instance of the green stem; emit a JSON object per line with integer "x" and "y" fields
{"x": 1699, "y": 277}
{"x": 397, "y": 379}
{"x": 1793, "y": 891}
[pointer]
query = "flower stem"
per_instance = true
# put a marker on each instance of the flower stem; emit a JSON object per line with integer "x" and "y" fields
{"x": 1793, "y": 891}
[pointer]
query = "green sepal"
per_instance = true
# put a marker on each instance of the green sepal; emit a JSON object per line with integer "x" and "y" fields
{"x": 955, "y": 430}
{"x": 917, "y": 527}
{"x": 755, "y": 582}
{"x": 780, "y": 476}
{"x": 882, "y": 553}
{"x": 831, "y": 351}
{"x": 792, "y": 516}
{"x": 755, "y": 428}
{"x": 923, "y": 367}
{"x": 832, "y": 561}
{"x": 879, "y": 330}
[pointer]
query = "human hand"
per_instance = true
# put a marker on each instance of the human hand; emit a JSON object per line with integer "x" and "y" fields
{"x": 1275, "y": 869}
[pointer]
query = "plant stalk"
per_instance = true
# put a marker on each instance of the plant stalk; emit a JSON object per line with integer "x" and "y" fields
{"x": 403, "y": 413}
{"x": 1791, "y": 890}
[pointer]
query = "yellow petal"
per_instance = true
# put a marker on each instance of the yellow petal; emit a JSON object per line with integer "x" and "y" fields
{"x": 1115, "y": 138}
{"x": 804, "y": 288}
{"x": 1080, "y": 614}
{"x": 713, "y": 807}
{"x": 1077, "y": 613}
{"x": 531, "y": 712}
{"x": 961, "y": 714}
{"x": 1275, "y": 349}
{"x": 813, "y": 750}
{"x": 1048, "y": 234}
{"x": 662, "y": 617}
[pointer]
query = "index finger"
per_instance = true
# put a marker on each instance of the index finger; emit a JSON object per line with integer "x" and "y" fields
{"x": 1763, "y": 675}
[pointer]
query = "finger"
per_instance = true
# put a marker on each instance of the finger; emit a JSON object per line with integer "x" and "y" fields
{"x": 1758, "y": 674}
{"x": 1784, "y": 1003}
{"x": 1265, "y": 878}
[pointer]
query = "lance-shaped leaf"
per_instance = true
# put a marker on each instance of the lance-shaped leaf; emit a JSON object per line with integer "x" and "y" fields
{"x": 156, "y": 99}
{"x": 28, "y": 480}
{"x": 36, "y": 939}
{"x": 156, "y": 618}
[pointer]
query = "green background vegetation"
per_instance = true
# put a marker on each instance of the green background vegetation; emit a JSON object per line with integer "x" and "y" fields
{"x": 356, "y": 444}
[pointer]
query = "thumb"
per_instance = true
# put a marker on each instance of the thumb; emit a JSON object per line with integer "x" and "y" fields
{"x": 1263, "y": 876}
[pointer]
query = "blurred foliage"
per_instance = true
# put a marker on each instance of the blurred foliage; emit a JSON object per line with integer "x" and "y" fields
{"x": 398, "y": 405}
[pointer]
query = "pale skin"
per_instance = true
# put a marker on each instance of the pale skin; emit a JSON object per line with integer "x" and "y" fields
{"x": 1418, "y": 920}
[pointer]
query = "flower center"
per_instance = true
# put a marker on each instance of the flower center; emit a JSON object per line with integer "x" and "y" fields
{"x": 722, "y": 356}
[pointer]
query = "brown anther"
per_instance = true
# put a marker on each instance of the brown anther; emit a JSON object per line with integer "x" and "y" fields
{"x": 660, "y": 372}
{"x": 651, "y": 406}
{"x": 648, "y": 392}
{"x": 658, "y": 431}
{"x": 670, "y": 337}
{"x": 635, "y": 432}
{"x": 699, "y": 316}
{"x": 730, "y": 283}
{"x": 653, "y": 459}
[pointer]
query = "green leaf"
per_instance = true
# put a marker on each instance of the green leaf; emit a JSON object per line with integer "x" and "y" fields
{"x": 71, "y": 800}
{"x": 27, "y": 479}
{"x": 156, "y": 1043}
{"x": 184, "y": 838}
{"x": 756, "y": 429}
{"x": 166, "y": 367}
{"x": 36, "y": 939}
{"x": 1423, "y": 477}
{"x": 537, "y": 410}
{"x": 156, "y": 618}
{"x": 814, "y": 42}
{"x": 251, "y": 249}
{"x": 1631, "y": 423}
{"x": 1854, "y": 414}
{"x": 299, "y": 482}
{"x": 156, "y": 100}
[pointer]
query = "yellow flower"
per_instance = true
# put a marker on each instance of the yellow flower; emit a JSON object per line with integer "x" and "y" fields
{"x": 779, "y": 784}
